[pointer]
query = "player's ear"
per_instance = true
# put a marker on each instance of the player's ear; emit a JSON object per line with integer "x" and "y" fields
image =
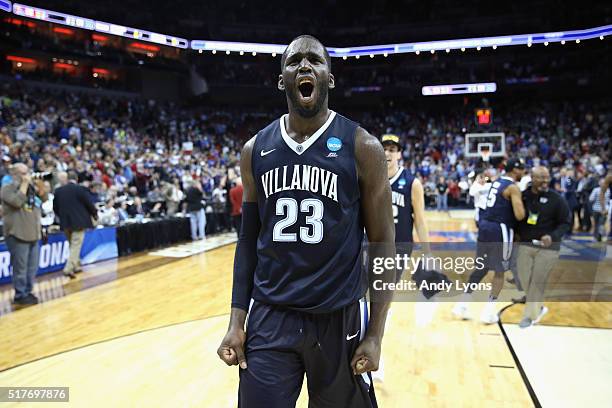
{"x": 281, "y": 84}
{"x": 332, "y": 81}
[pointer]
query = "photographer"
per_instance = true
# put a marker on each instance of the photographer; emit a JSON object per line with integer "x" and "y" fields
{"x": 547, "y": 221}
{"x": 21, "y": 205}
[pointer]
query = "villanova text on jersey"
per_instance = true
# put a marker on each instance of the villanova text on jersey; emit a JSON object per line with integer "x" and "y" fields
{"x": 311, "y": 229}
{"x": 302, "y": 177}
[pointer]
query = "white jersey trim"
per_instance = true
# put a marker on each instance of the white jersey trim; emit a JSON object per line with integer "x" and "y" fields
{"x": 300, "y": 148}
{"x": 396, "y": 176}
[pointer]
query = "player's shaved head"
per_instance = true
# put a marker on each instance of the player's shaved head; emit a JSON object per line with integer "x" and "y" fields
{"x": 305, "y": 76}
{"x": 302, "y": 38}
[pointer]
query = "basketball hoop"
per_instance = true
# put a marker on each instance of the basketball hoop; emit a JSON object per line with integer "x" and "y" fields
{"x": 485, "y": 155}
{"x": 485, "y": 151}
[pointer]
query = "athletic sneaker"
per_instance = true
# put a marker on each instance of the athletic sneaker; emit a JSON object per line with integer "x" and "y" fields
{"x": 27, "y": 300}
{"x": 489, "y": 314}
{"x": 543, "y": 311}
{"x": 461, "y": 311}
{"x": 526, "y": 322}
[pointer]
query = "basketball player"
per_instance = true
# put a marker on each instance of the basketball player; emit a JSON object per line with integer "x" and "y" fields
{"x": 408, "y": 203}
{"x": 504, "y": 207}
{"x": 407, "y": 197}
{"x": 312, "y": 181}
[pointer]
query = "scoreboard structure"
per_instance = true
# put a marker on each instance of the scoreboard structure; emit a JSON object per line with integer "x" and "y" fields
{"x": 484, "y": 116}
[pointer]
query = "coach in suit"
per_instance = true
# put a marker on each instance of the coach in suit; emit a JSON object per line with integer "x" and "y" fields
{"x": 72, "y": 204}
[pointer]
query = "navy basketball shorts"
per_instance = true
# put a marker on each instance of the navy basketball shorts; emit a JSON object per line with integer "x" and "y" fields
{"x": 494, "y": 245}
{"x": 283, "y": 344}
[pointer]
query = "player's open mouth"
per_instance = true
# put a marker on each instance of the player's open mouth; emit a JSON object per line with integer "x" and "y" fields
{"x": 306, "y": 88}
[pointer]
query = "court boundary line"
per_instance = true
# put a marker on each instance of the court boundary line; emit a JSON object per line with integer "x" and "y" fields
{"x": 95, "y": 343}
{"x": 519, "y": 366}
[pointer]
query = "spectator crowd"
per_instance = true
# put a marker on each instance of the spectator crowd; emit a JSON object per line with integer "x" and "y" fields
{"x": 140, "y": 158}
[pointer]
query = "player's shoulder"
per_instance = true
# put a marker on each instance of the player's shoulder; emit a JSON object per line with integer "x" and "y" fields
{"x": 263, "y": 134}
{"x": 365, "y": 140}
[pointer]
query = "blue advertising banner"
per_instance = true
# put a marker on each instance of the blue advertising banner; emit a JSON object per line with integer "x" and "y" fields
{"x": 99, "y": 244}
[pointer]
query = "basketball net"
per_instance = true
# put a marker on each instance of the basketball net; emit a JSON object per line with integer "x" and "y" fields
{"x": 486, "y": 155}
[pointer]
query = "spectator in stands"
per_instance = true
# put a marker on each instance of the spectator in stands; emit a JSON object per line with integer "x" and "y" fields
{"x": 173, "y": 196}
{"x": 74, "y": 209}
{"x": 194, "y": 199}
{"x": 21, "y": 207}
{"x": 569, "y": 186}
{"x": 599, "y": 214}
{"x": 122, "y": 212}
{"x": 586, "y": 184}
{"x": 137, "y": 209}
{"x": 442, "y": 194}
{"x": 236, "y": 198}
{"x": 108, "y": 215}
{"x": 47, "y": 213}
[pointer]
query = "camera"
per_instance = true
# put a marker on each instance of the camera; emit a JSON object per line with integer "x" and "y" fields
{"x": 42, "y": 175}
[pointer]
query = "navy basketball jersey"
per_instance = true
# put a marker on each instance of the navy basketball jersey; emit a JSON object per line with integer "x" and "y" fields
{"x": 401, "y": 200}
{"x": 311, "y": 228}
{"x": 498, "y": 209}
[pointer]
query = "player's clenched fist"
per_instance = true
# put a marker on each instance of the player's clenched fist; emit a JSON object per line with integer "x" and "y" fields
{"x": 231, "y": 350}
{"x": 366, "y": 356}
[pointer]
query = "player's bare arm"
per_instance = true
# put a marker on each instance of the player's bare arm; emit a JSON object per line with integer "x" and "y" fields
{"x": 418, "y": 209}
{"x": 513, "y": 193}
{"x": 378, "y": 220}
{"x": 231, "y": 350}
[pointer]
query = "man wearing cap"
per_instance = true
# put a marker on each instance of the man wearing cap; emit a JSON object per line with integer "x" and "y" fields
{"x": 504, "y": 207}
{"x": 548, "y": 219}
{"x": 407, "y": 196}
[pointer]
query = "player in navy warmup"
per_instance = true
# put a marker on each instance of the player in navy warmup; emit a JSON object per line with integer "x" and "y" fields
{"x": 504, "y": 208}
{"x": 312, "y": 181}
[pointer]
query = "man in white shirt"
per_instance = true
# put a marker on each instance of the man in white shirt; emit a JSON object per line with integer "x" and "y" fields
{"x": 479, "y": 190}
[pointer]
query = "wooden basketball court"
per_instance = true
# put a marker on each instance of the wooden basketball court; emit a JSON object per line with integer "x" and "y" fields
{"x": 143, "y": 331}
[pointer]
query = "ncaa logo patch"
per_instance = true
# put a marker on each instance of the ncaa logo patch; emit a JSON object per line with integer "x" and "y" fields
{"x": 401, "y": 182}
{"x": 334, "y": 144}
